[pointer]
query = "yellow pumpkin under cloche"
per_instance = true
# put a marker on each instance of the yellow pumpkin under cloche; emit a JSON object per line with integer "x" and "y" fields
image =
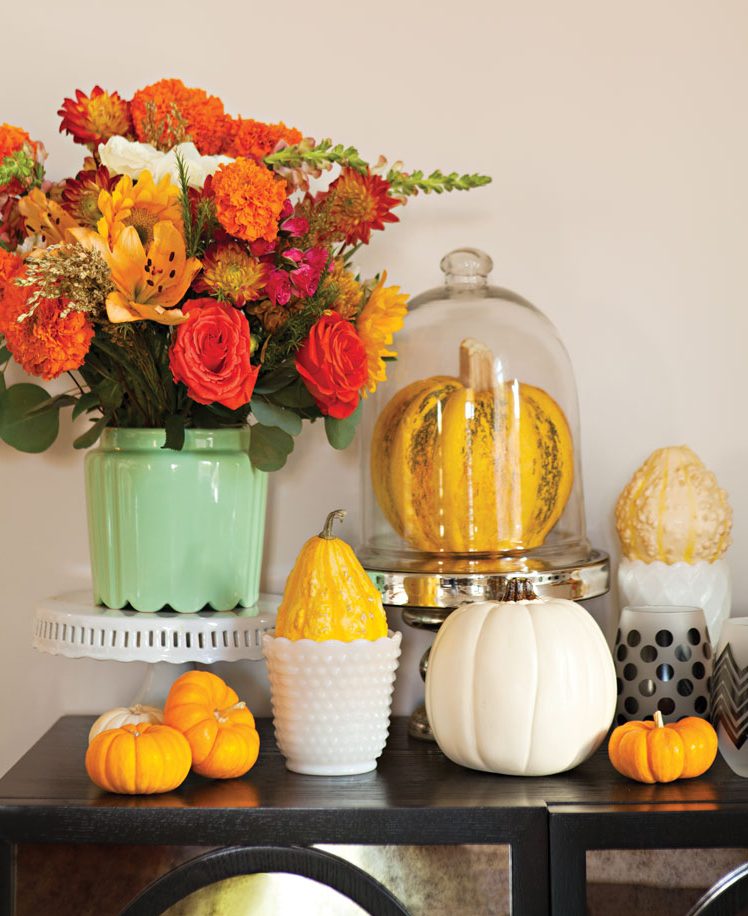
{"x": 328, "y": 595}
{"x": 472, "y": 464}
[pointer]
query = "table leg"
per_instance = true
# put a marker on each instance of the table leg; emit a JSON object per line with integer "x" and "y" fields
{"x": 530, "y": 873}
{"x": 568, "y": 869}
{"x": 7, "y": 879}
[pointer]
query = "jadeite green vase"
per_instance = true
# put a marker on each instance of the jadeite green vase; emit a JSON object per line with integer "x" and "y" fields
{"x": 179, "y": 530}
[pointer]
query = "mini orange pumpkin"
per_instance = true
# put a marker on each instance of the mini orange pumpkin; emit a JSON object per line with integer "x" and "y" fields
{"x": 220, "y": 730}
{"x": 139, "y": 759}
{"x": 654, "y": 752}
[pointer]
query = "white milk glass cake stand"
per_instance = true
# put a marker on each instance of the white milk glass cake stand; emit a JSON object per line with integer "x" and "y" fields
{"x": 171, "y": 643}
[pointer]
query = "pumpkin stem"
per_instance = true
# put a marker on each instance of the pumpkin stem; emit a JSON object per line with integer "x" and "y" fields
{"x": 220, "y": 714}
{"x": 658, "y": 719}
{"x": 518, "y": 589}
{"x": 476, "y": 365}
{"x": 326, "y": 532}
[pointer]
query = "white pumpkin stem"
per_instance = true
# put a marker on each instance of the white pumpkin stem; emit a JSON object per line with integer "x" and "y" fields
{"x": 518, "y": 589}
{"x": 476, "y": 365}
{"x": 658, "y": 719}
{"x": 336, "y": 514}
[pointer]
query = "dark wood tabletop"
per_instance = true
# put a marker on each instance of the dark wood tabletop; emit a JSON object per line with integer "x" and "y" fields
{"x": 415, "y": 796}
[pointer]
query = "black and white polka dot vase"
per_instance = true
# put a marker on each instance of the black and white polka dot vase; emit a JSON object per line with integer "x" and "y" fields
{"x": 663, "y": 662}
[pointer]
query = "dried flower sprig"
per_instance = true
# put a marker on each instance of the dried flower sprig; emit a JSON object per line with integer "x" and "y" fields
{"x": 69, "y": 272}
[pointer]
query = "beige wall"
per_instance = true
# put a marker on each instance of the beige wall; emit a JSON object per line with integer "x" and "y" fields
{"x": 617, "y": 137}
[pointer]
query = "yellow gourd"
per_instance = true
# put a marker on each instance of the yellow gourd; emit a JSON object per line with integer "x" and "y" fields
{"x": 328, "y": 595}
{"x": 468, "y": 465}
{"x": 673, "y": 510}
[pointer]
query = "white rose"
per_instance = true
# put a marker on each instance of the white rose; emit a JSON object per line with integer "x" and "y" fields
{"x": 198, "y": 167}
{"x": 126, "y": 157}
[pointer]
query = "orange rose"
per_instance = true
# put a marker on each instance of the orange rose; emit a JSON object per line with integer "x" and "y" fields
{"x": 332, "y": 361}
{"x": 210, "y": 354}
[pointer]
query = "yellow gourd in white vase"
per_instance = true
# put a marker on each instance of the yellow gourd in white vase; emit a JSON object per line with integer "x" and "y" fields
{"x": 674, "y": 523}
{"x": 673, "y": 510}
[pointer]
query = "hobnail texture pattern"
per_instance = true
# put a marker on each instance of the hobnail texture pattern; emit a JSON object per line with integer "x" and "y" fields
{"x": 331, "y": 701}
{"x": 705, "y": 585}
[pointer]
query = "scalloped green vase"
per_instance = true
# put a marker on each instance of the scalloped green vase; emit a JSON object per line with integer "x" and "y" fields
{"x": 175, "y": 530}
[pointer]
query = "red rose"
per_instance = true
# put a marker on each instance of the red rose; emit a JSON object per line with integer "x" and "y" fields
{"x": 211, "y": 354}
{"x": 332, "y": 361}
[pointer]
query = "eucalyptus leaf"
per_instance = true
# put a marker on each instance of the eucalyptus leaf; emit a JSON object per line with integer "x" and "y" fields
{"x": 54, "y": 403}
{"x": 269, "y": 447}
{"x": 88, "y": 401}
{"x": 91, "y": 435}
{"x": 274, "y": 415}
{"x": 340, "y": 433}
{"x": 277, "y": 379}
{"x": 174, "y": 433}
{"x": 21, "y": 429}
{"x": 109, "y": 394}
{"x": 294, "y": 395}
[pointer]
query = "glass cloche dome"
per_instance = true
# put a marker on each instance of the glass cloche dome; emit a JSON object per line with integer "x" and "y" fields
{"x": 472, "y": 469}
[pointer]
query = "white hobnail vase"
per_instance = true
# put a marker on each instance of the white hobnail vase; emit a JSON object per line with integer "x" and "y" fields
{"x": 705, "y": 585}
{"x": 331, "y": 701}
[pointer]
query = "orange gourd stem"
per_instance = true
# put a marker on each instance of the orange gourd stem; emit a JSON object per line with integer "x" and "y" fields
{"x": 326, "y": 533}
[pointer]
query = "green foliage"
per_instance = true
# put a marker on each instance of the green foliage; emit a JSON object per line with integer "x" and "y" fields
{"x": 269, "y": 447}
{"x": 174, "y": 433}
{"x": 22, "y": 167}
{"x": 53, "y": 403}
{"x": 20, "y": 427}
{"x": 322, "y": 155}
{"x": 296, "y": 395}
{"x": 87, "y": 401}
{"x": 340, "y": 433}
{"x": 91, "y": 435}
{"x": 437, "y": 182}
{"x": 270, "y": 414}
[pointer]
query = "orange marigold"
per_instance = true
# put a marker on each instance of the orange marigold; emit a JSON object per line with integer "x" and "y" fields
{"x": 255, "y": 139}
{"x": 168, "y": 112}
{"x": 93, "y": 119}
{"x": 45, "y": 344}
{"x": 249, "y": 199}
{"x": 10, "y": 266}
{"x": 12, "y": 139}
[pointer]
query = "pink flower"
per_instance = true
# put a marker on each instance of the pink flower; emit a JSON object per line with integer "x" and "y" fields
{"x": 260, "y": 248}
{"x": 278, "y": 287}
{"x": 295, "y": 227}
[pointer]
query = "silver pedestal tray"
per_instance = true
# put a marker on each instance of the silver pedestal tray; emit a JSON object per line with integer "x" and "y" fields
{"x": 73, "y": 626}
{"x": 429, "y": 592}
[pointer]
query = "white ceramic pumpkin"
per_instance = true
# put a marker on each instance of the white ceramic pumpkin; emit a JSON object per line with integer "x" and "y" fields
{"x": 525, "y": 688}
{"x": 126, "y": 715}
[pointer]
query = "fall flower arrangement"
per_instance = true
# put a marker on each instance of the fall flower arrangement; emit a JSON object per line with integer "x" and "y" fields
{"x": 196, "y": 272}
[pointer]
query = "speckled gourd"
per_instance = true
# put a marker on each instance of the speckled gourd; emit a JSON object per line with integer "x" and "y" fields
{"x": 328, "y": 594}
{"x": 673, "y": 510}
{"x": 466, "y": 465}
